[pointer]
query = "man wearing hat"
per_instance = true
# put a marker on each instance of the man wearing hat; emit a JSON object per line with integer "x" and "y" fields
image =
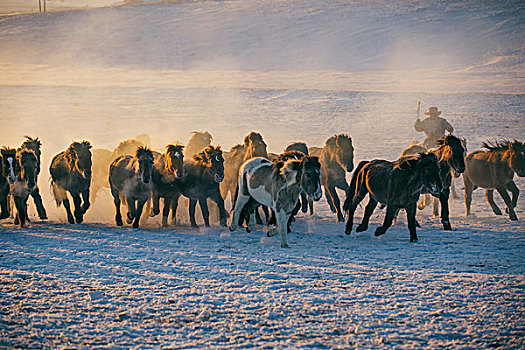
{"x": 434, "y": 127}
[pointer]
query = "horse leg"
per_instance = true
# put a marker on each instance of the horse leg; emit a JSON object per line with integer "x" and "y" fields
{"x": 336, "y": 203}
{"x": 240, "y": 202}
{"x": 166, "y": 209}
{"x": 38, "y": 203}
{"x": 85, "y": 198}
{"x": 70, "y": 218}
{"x": 116, "y": 201}
{"x": 138, "y": 213}
{"x": 311, "y": 205}
{"x": 489, "y": 195}
{"x": 304, "y": 202}
{"x": 453, "y": 193}
{"x": 223, "y": 216}
{"x": 78, "y": 209}
{"x": 391, "y": 211}
{"x": 205, "y": 211}
{"x": 174, "y": 205}
{"x": 445, "y": 211}
{"x": 328, "y": 196}
{"x": 130, "y": 203}
{"x": 359, "y": 196}
{"x": 20, "y": 211}
{"x": 511, "y": 186}
{"x": 469, "y": 188}
{"x": 4, "y": 207}
{"x": 372, "y": 203}
{"x": 191, "y": 209}
{"x": 504, "y": 194}
{"x": 411, "y": 219}
{"x": 155, "y": 208}
{"x": 282, "y": 227}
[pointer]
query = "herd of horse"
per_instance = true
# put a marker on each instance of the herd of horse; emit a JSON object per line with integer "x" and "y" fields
{"x": 279, "y": 184}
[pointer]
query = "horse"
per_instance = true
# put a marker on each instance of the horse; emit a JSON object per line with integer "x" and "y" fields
{"x": 199, "y": 140}
{"x": 102, "y": 159}
{"x": 200, "y": 181}
{"x": 27, "y": 170}
{"x": 130, "y": 178}
{"x": 71, "y": 172}
{"x": 277, "y": 186}
{"x": 167, "y": 169}
{"x": 395, "y": 184}
{"x": 336, "y": 158}
{"x": 451, "y": 155}
{"x": 494, "y": 169}
{"x": 34, "y": 144}
{"x": 8, "y": 177}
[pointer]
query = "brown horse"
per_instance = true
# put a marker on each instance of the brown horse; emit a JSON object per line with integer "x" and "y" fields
{"x": 451, "y": 155}
{"x": 201, "y": 181}
{"x": 199, "y": 140}
{"x": 102, "y": 158}
{"x": 130, "y": 178}
{"x": 254, "y": 146}
{"x": 277, "y": 186}
{"x": 8, "y": 177}
{"x": 34, "y": 144}
{"x": 395, "y": 184}
{"x": 336, "y": 158}
{"x": 27, "y": 166}
{"x": 167, "y": 169}
{"x": 494, "y": 169}
{"x": 71, "y": 171}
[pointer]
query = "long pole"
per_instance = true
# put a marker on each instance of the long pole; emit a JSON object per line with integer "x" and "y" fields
{"x": 39, "y": 5}
{"x": 44, "y": 5}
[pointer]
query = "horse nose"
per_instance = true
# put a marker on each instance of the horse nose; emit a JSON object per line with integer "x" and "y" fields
{"x": 145, "y": 179}
{"x": 461, "y": 169}
{"x": 180, "y": 173}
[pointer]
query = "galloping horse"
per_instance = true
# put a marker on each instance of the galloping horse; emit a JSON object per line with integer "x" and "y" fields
{"x": 27, "y": 166}
{"x": 71, "y": 171}
{"x": 276, "y": 185}
{"x": 336, "y": 158}
{"x": 34, "y": 144}
{"x": 201, "y": 181}
{"x": 7, "y": 177}
{"x": 130, "y": 178}
{"x": 167, "y": 169}
{"x": 395, "y": 184}
{"x": 494, "y": 169}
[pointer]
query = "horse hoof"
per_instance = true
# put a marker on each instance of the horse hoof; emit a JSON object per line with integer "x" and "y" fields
{"x": 340, "y": 218}
{"x": 194, "y": 225}
{"x": 44, "y": 217}
{"x": 513, "y": 217}
{"x": 417, "y": 224}
{"x": 285, "y": 246}
{"x": 79, "y": 220}
{"x": 413, "y": 240}
{"x": 120, "y": 223}
{"x": 361, "y": 228}
{"x": 379, "y": 232}
{"x": 71, "y": 220}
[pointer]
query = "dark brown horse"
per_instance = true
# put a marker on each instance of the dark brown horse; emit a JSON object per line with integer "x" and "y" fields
{"x": 451, "y": 155}
{"x": 130, "y": 179}
{"x": 494, "y": 169}
{"x": 8, "y": 177}
{"x": 200, "y": 181}
{"x": 71, "y": 172}
{"x": 34, "y": 144}
{"x": 167, "y": 169}
{"x": 27, "y": 166}
{"x": 102, "y": 159}
{"x": 305, "y": 200}
{"x": 336, "y": 158}
{"x": 199, "y": 140}
{"x": 395, "y": 184}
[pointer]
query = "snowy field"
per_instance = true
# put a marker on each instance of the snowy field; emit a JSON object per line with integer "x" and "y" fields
{"x": 292, "y": 70}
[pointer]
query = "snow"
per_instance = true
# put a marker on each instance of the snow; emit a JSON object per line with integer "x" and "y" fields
{"x": 293, "y": 71}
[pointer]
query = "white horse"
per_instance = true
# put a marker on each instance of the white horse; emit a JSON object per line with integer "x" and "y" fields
{"x": 276, "y": 185}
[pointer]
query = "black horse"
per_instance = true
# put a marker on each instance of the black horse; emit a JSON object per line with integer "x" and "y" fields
{"x": 8, "y": 171}
{"x": 34, "y": 144}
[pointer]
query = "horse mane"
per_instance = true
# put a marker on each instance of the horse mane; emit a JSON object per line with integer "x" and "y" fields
{"x": 332, "y": 141}
{"x": 283, "y": 168}
{"x": 499, "y": 145}
{"x": 297, "y": 146}
{"x": 24, "y": 154}
{"x": 32, "y": 143}
{"x": 291, "y": 155}
{"x": 448, "y": 140}
{"x": 252, "y": 136}
{"x": 6, "y": 149}
{"x": 143, "y": 151}
{"x": 205, "y": 156}
{"x": 171, "y": 149}
{"x": 405, "y": 163}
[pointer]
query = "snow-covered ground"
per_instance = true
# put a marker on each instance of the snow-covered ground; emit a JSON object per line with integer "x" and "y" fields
{"x": 292, "y": 70}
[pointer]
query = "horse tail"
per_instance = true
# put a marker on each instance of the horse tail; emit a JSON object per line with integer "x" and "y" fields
{"x": 353, "y": 186}
{"x": 58, "y": 193}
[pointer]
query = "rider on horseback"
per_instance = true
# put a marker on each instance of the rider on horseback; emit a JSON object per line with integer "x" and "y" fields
{"x": 434, "y": 127}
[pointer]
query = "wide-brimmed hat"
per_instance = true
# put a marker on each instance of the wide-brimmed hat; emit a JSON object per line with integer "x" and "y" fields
{"x": 433, "y": 111}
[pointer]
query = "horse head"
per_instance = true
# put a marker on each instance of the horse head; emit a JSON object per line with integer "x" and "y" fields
{"x": 144, "y": 163}
{"x": 212, "y": 158}
{"x": 428, "y": 168}
{"x": 343, "y": 150}
{"x": 10, "y": 165}
{"x": 28, "y": 164}
{"x": 175, "y": 159}
{"x": 255, "y": 146}
{"x": 79, "y": 156}
{"x": 297, "y": 146}
{"x": 517, "y": 157}
{"x": 454, "y": 152}
{"x": 310, "y": 177}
